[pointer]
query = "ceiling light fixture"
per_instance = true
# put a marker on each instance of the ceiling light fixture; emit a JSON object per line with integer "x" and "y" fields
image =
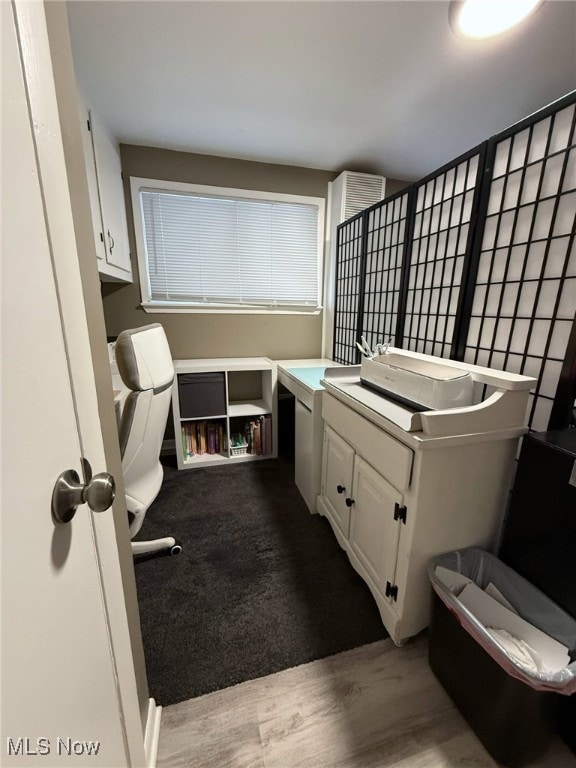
{"x": 479, "y": 19}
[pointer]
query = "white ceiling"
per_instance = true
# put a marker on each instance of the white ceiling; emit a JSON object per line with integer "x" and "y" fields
{"x": 381, "y": 86}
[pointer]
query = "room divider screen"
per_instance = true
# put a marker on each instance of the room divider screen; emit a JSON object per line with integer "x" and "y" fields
{"x": 387, "y": 232}
{"x": 524, "y": 268}
{"x": 350, "y": 247}
{"x": 476, "y": 262}
{"x": 445, "y": 205}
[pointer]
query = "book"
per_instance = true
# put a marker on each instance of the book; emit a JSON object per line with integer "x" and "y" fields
{"x": 257, "y": 438}
{"x": 211, "y": 438}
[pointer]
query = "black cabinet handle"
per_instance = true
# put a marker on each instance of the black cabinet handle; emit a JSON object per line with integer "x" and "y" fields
{"x": 340, "y": 488}
{"x": 349, "y": 502}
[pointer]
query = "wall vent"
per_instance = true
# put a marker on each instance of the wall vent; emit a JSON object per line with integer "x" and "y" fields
{"x": 353, "y": 192}
{"x": 350, "y": 193}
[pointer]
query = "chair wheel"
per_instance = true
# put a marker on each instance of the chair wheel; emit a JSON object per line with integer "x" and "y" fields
{"x": 175, "y": 549}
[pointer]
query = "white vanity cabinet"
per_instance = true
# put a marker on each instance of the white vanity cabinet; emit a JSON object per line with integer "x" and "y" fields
{"x": 399, "y": 490}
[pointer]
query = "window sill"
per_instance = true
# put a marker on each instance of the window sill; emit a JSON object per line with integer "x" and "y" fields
{"x": 211, "y": 309}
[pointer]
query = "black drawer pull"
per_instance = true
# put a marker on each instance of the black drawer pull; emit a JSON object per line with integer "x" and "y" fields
{"x": 349, "y": 502}
{"x": 340, "y": 488}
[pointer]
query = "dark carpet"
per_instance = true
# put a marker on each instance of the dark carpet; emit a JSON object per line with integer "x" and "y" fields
{"x": 261, "y": 586}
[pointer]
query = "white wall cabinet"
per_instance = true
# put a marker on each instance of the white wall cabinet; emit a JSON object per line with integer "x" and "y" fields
{"x": 107, "y": 202}
{"x": 224, "y": 411}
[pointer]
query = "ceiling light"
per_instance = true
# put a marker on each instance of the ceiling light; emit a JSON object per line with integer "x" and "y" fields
{"x": 487, "y": 18}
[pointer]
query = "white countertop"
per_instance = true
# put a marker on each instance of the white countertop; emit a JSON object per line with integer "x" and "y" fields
{"x": 305, "y": 373}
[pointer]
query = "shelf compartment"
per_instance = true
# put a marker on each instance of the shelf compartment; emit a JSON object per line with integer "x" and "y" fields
{"x": 202, "y": 394}
{"x": 254, "y": 431}
{"x": 250, "y": 457}
{"x": 216, "y": 417}
{"x": 204, "y": 458}
{"x": 244, "y": 386}
{"x": 200, "y": 438}
{"x": 248, "y": 408}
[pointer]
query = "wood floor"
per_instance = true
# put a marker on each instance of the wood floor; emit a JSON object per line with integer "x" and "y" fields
{"x": 371, "y": 707}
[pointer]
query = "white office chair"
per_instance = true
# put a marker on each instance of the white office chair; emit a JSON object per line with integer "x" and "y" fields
{"x": 145, "y": 365}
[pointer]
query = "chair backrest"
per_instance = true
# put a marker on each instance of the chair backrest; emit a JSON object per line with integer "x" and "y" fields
{"x": 145, "y": 365}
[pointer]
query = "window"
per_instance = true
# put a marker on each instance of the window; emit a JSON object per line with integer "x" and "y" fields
{"x": 218, "y": 249}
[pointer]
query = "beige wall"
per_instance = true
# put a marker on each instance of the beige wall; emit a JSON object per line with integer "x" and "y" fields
{"x": 212, "y": 335}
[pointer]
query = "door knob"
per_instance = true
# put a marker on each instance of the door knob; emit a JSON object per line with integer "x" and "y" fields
{"x": 98, "y": 492}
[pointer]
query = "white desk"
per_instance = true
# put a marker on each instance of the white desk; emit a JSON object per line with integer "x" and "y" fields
{"x": 302, "y": 378}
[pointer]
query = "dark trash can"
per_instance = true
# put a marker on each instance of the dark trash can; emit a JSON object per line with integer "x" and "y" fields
{"x": 513, "y": 711}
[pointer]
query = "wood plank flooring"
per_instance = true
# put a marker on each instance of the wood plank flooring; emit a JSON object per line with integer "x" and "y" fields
{"x": 372, "y": 707}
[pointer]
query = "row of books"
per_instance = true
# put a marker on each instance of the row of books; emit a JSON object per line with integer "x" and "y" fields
{"x": 258, "y": 435}
{"x": 200, "y": 437}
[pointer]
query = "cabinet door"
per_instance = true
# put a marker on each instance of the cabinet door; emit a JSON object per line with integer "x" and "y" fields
{"x": 90, "y": 164}
{"x": 337, "y": 479}
{"x": 373, "y": 531}
{"x": 112, "y": 204}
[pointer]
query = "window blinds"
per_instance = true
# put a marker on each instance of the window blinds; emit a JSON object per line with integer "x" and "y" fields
{"x": 215, "y": 250}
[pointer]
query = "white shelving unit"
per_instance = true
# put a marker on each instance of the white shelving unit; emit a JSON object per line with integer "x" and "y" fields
{"x": 228, "y": 394}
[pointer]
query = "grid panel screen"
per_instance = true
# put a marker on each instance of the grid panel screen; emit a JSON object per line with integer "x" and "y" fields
{"x": 442, "y": 216}
{"x": 386, "y": 228}
{"x": 348, "y": 287}
{"x": 525, "y": 295}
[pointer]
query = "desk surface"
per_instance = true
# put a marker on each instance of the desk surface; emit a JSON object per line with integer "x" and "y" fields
{"x": 307, "y": 373}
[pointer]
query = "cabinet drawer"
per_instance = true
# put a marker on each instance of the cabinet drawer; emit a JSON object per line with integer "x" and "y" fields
{"x": 390, "y": 458}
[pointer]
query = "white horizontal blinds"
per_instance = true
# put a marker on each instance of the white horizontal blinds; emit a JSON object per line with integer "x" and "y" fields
{"x": 230, "y": 251}
{"x": 443, "y": 210}
{"x": 385, "y": 241}
{"x": 348, "y": 272}
{"x": 525, "y": 296}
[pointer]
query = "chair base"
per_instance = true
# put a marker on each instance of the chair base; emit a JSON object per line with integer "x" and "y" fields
{"x": 156, "y": 545}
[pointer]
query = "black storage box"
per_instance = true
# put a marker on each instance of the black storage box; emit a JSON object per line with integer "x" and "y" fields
{"x": 514, "y": 722}
{"x": 201, "y": 395}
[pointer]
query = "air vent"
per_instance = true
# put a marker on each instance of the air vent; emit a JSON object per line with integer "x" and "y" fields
{"x": 351, "y": 193}
{"x": 361, "y": 190}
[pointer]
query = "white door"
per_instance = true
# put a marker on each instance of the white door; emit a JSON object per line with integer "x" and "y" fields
{"x": 373, "y": 530}
{"x": 337, "y": 479}
{"x": 68, "y": 687}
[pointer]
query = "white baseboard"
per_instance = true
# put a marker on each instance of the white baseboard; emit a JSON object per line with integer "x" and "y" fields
{"x": 152, "y": 734}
